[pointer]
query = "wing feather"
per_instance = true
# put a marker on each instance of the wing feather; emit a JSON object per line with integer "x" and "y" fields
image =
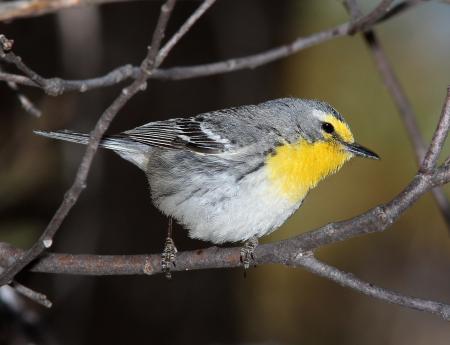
{"x": 188, "y": 133}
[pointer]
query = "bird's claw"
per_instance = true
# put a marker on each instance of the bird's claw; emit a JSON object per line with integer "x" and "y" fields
{"x": 247, "y": 252}
{"x": 168, "y": 257}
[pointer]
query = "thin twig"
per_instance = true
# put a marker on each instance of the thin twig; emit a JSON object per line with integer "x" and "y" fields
{"x": 345, "y": 279}
{"x": 183, "y": 30}
{"x": 51, "y": 86}
{"x": 27, "y": 292}
{"x": 16, "y": 78}
{"x": 31, "y": 294}
{"x": 122, "y": 73}
{"x": 352, "y": 7}
{"x": 402, "y": 6}
{"x": 398, "y": 95}
{"x": 439, "y": 137}
{"x": 24, "y": 101}
{"x": 113, "y": 77}
{"x": 371, "y": 18}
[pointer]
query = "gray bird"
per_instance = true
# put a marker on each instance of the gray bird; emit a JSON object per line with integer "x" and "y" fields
{"x": 235, "y": 174}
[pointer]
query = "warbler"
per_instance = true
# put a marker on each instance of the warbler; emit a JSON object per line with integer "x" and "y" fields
{"x": 235, "y": 174}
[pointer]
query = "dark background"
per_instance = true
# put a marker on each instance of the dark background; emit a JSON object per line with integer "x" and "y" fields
{"x": 114, "y": 214}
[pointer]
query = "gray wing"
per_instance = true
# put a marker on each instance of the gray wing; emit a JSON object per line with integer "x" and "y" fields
{"x": 188, "y": 133}
{"x": 217, "y": 131}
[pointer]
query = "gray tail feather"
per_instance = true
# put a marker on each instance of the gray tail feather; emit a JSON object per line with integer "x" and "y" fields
{"x": 134, "y": 152}
{"x": 111, "y": 142}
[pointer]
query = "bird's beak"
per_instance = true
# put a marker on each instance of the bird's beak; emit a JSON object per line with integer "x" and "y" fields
{"x": 359, "y": 150}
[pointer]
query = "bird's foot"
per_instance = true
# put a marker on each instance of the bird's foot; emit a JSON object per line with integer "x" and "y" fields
{"x": 247, "y": 252}
{"x": 168, "y": 257}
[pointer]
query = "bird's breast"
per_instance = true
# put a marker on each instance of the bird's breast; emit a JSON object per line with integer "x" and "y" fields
{"x": 293, "y": 169}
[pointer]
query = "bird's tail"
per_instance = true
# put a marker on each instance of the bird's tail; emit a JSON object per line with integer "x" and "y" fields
{"x": 110, "y": 142}
{"x": 134, "y": 152}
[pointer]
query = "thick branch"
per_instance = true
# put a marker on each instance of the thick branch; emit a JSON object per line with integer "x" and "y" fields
{"x": 214, "y": 258}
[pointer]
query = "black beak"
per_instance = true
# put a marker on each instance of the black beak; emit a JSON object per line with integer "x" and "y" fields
{"x": 359, "y": 150}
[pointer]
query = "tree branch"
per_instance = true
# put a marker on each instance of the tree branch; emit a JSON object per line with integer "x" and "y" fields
{"x": 31, "y": 294}
{"x": 24, "y": 101}
{"x": 214, "y": 258}
{"x": 439, "y": 137}
{"x": 30, "y": 8}
{"x": 113, "y": 77}
{"x": 183, "y": 30}
{"x": 365, "y": 22}
{"x": 313, "y": 265}
{"x": 122, "y": 73}
{"x": 397, "y": 94}
{"x": 50, "y": 86}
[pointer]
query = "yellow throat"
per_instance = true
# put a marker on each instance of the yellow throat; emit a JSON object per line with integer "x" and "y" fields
{"x": 294, "y": 169}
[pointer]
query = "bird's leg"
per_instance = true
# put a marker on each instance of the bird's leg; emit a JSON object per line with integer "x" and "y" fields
{"x": 247, "y": 251}
{"x": 169, "y": 254}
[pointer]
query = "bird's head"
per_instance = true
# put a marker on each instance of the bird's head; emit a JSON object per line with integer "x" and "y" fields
{"x": 322, "y": 123}
{"x": 317, "y": 145}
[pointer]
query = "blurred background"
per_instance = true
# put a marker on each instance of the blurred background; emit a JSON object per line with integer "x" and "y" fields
{"x": 274, "y": 304}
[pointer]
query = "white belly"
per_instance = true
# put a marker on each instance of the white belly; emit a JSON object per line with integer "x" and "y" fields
{"x": 229, "y": 211}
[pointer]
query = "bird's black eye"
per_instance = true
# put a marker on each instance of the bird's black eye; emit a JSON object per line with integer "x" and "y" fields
{"x": 327, "y": 127}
